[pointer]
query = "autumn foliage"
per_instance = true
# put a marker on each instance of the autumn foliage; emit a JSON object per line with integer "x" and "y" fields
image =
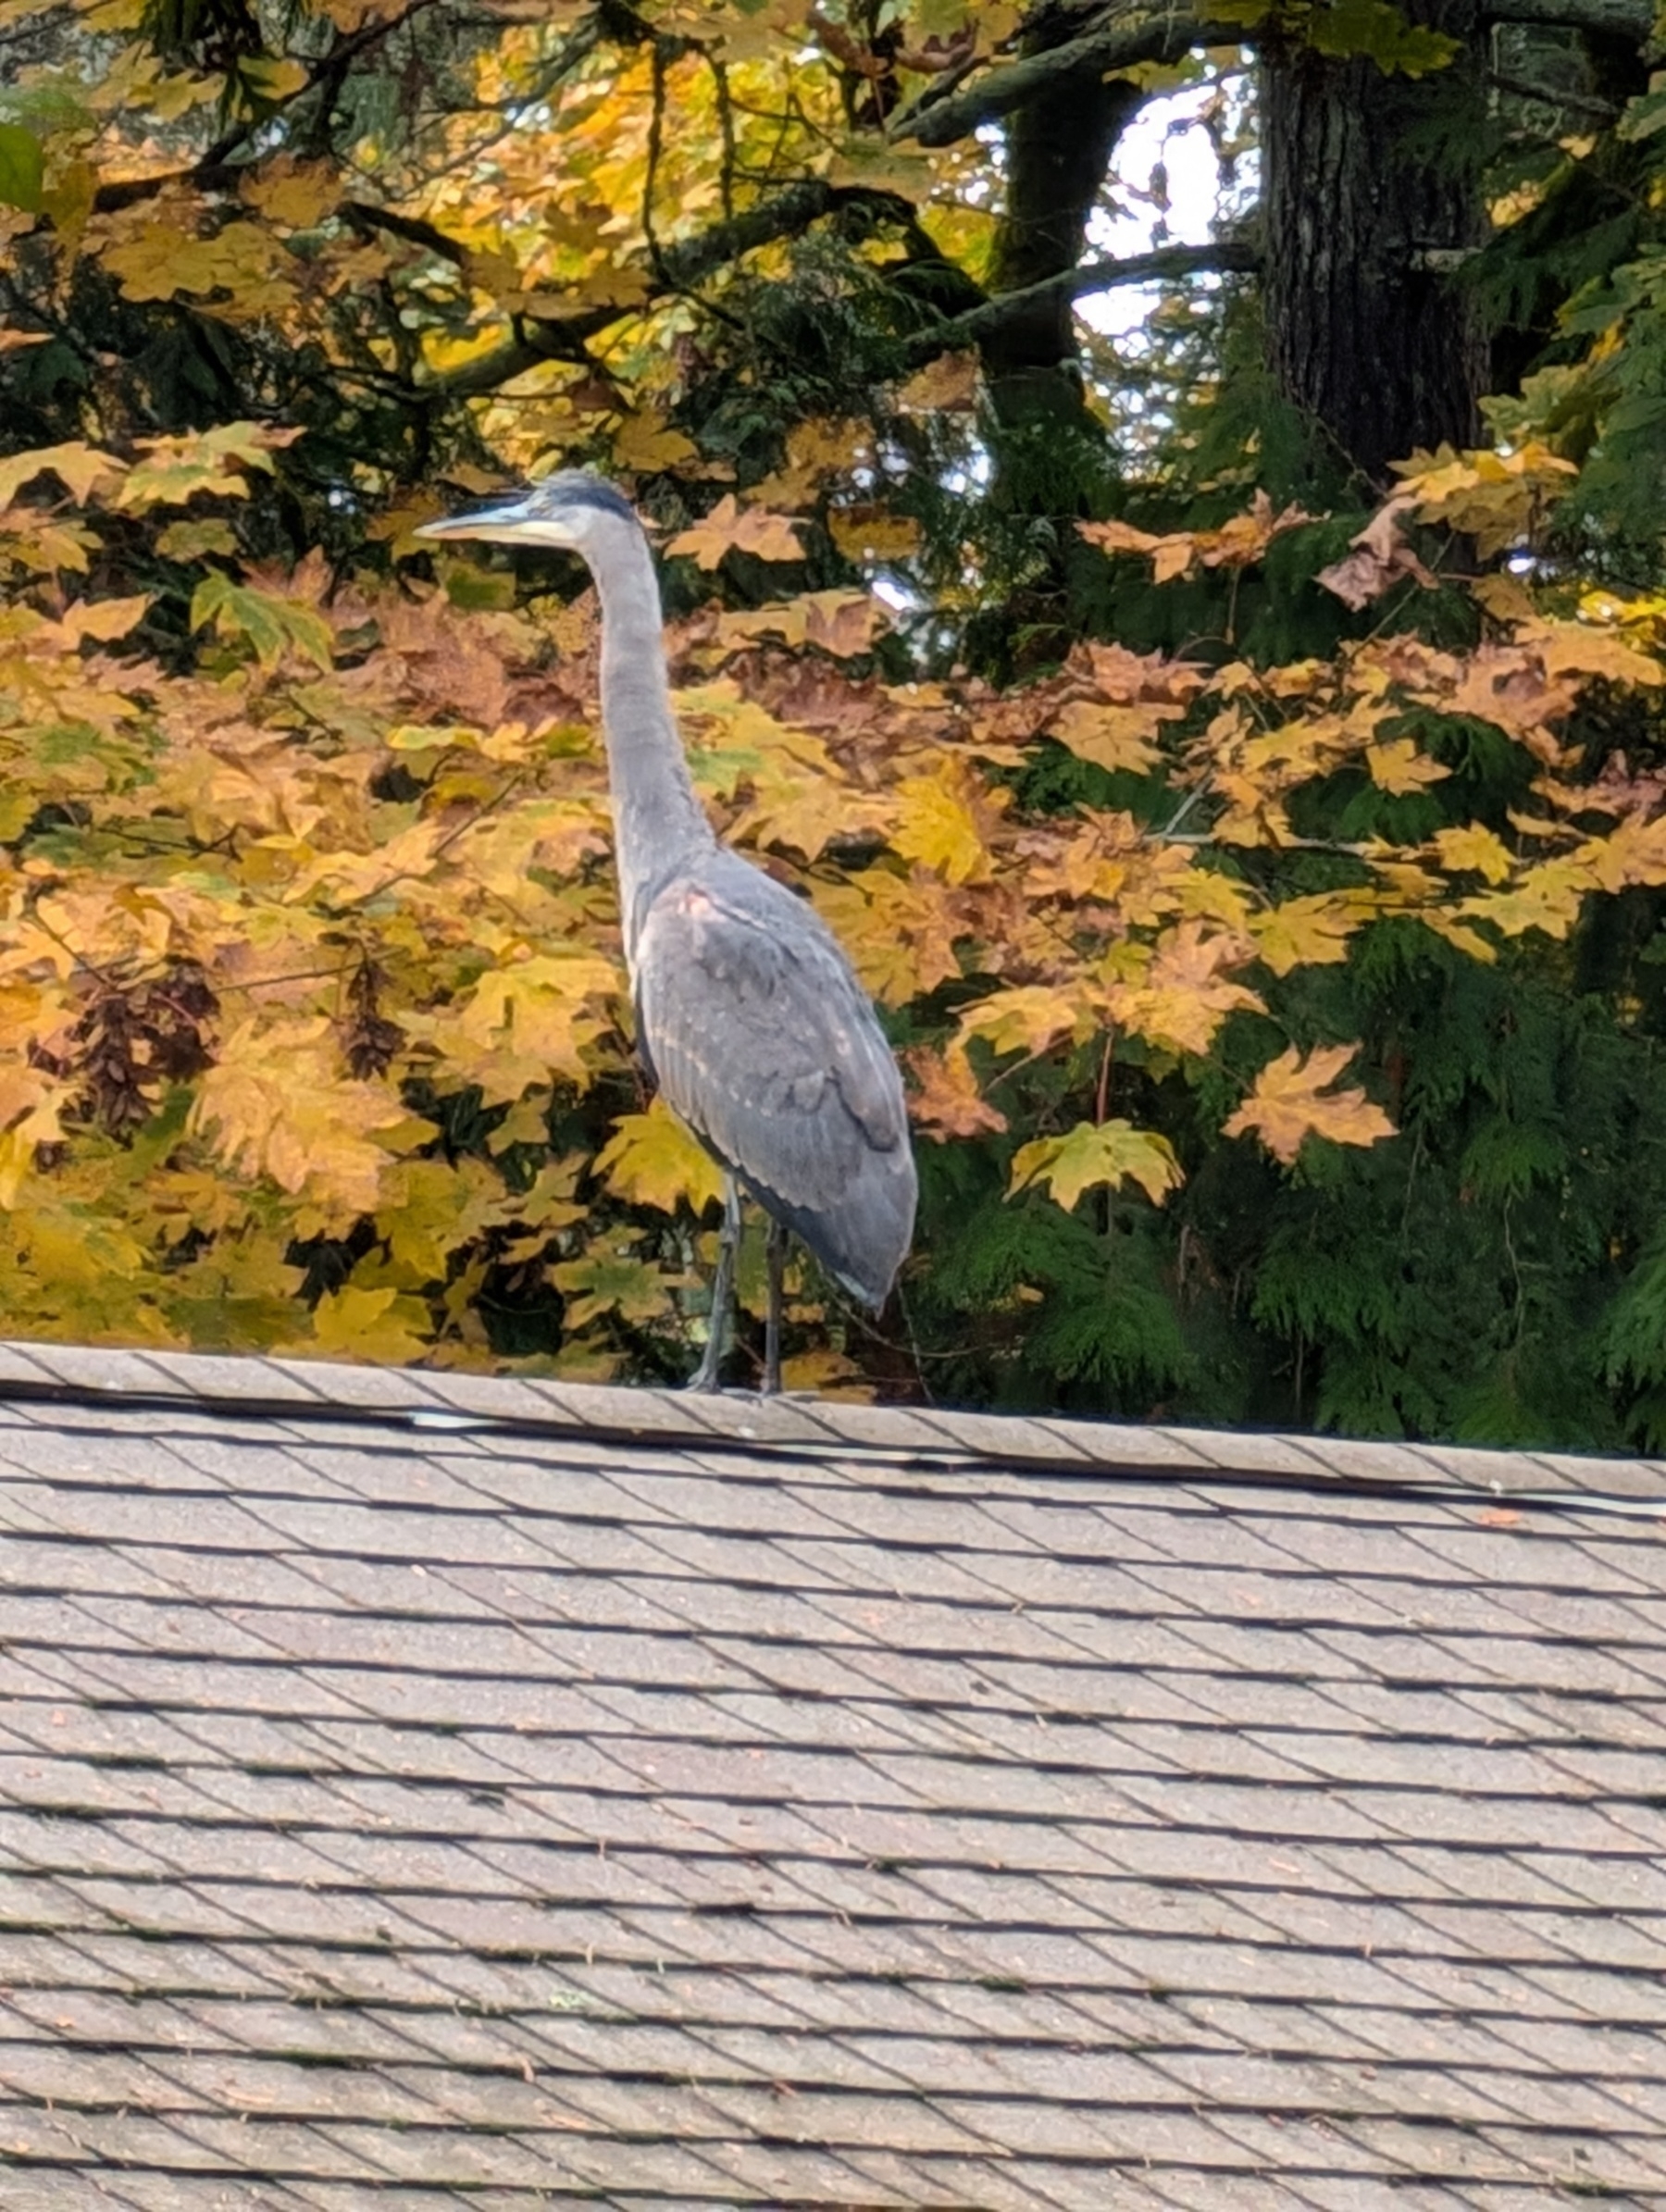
{"x": 314, "y": 1035}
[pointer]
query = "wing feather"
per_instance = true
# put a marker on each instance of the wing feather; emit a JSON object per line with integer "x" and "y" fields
{"x": 764, "y": 1043}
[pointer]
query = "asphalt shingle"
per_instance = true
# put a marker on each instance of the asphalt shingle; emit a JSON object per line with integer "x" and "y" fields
{"x": 672, "y": 1805}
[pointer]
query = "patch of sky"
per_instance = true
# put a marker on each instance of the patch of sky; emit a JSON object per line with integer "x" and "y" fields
{"x": 1186, "y": 173}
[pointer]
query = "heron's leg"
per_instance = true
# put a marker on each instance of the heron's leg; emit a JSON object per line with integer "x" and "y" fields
{"x": 704, "y": 1376}
{"x": 772, "y": 1326}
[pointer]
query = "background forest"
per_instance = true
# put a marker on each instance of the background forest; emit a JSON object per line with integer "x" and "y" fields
{"x": 1225, "y": 727}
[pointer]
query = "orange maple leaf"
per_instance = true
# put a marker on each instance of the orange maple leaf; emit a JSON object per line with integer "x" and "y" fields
{"x": 730, "y": 528}
{"x": 1378, "y": 556}
{"x": 1186, "y": 994}
{"x": 945, "y": 1101}
{"x": 1290, "y": 1102}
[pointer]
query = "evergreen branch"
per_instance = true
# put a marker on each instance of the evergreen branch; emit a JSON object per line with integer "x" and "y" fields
{"x": 1162, "y": 264}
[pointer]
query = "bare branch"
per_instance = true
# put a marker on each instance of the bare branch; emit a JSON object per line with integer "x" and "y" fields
{"x": 1134, "y": 37}
{"x": 214, "y": 170}
{"x": 944, "y": 113}
{"x": 1162, "y": 264}
{"x": 129, "y": 191}
{"x": 683, "y": 265}
{"x": 366, "y": 216}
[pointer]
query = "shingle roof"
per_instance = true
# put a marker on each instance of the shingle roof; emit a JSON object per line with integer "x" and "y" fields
{"x": 421, "y": 1793}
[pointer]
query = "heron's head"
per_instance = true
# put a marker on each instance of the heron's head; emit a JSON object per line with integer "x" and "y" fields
{"x": 569, "y": 509}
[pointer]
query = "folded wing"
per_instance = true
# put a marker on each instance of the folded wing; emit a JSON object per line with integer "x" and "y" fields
{"x": 764, "y": 1043}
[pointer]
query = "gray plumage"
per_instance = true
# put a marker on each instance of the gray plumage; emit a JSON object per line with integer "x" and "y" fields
{"x": 748, "y": 1015}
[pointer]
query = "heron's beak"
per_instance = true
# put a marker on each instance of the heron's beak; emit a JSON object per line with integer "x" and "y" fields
{"x": 506, "y": 520}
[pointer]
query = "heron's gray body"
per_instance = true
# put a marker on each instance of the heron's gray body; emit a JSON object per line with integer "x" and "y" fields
{"x": 762, "y": 1039}
{"x": 749, "y": 1016}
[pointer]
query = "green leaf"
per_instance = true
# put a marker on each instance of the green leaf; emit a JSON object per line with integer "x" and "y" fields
{"x": 21, "y": 168}
{"x": 272, "y": 626}
{"x": 1382, "y": 34}
{"x": 1643, "y": 116}
{"x": 1111, "y": 1151}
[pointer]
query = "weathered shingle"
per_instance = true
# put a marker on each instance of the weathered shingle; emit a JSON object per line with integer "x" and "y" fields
{"x": 604, "y": 1798}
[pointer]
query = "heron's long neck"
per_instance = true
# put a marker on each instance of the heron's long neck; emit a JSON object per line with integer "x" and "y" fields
{"x": 658, "y": 822}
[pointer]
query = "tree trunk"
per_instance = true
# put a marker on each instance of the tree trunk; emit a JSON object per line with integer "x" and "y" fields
{"x": 1049, "y": 453}
{"x": 1371, "y": 204}
{"x": 1059, "y": 146}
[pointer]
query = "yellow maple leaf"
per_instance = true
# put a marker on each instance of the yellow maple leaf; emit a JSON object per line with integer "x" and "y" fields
{"x": 844, "y": 623}
{"x": 900, "y": 931}
{"x": 1309, "y": 932}
{"x": 241, "y": 261}
{"x": 525, "y": 1023}
{"x": 1093, "y": 1154}
{"x": 274, "y": 1104}
{"x": 1244, "y": 538}
{"x": 1468, "y": 941}
{"x": 1028, "y": 1017}
{"x": 828, "y": 1374}
{"x": 945, "y": 1100}
{"x": 1549, "y": 897}
{"x": 105, "y": 619}
{"x": 944, "y": 822}
{"x": 609, "y": 1280}
{"x": 788, "y": 619}
{"x": 1504, "y": 596}
{"x": 32, "y": 1105}
{"x": 826, "y": 445}
{"x": 1495, "y": 498}
{"x": 1186, "y": 993}
{"x": 1238, "y": 543}
{"x": 652, "y": 1160}
{"x": 1473, "y": 849}
{"x": 872, "y": 533}
{"x": 730, "y": 528}
{"x": 802, "y": 814}
{"x": 172, "y": 471}
{"x": 1291, "y": 1101}
{"x": 642, "y": 443}
{"x": 384, "y": 1327}
{"x": 1589, "y": 649}
{"x": 1398, "y": 765}
{"x": 841, "y": 622}
{"x": 82, "y": 468}
{"x": 1633, "y": 852}
{"x": 292, "y": 193}
{"x": 1117, "y": 738}
{"x": 1122, "y": 537}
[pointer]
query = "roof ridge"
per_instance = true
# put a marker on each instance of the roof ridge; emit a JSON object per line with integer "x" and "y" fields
{"x": 918, "y": 1438}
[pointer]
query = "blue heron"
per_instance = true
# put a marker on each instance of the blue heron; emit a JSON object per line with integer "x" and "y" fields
{"x": 748, "y": 1017}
